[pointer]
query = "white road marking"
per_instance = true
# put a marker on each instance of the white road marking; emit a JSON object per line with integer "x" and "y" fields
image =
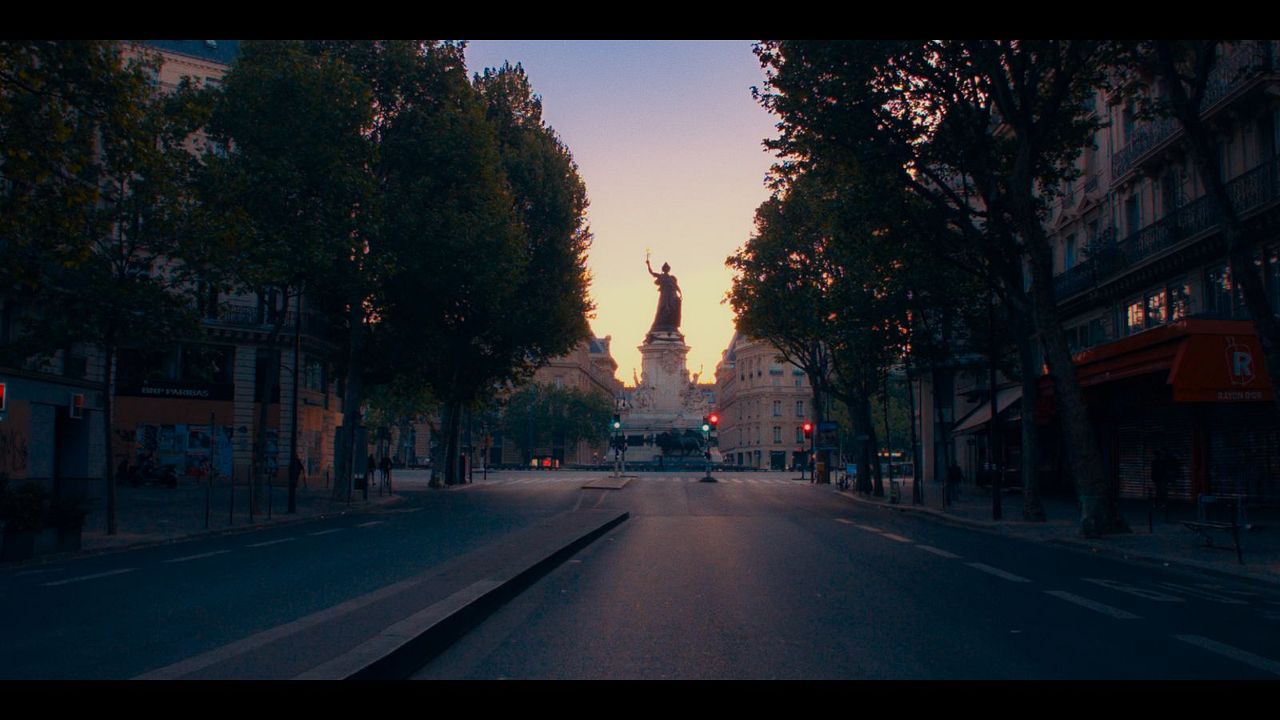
{"x": 1095, "y": 606}
{"x": 1236, "y": 654}
{"x": 899, "y": 538}
{"x": 272, "y": 542}
{"x": 998, "y": 572}
{"x": 197, "y": 557}
{"x": 38, "y": 572}
{"x": 936, "y": 551}
{"x": 371, "y": 523}
{"x": 868, "y": 528}
{"x": 325, "y": 532}
{"x": 1130, "y": 589}
{"x": 90, "y": 577}
{"x": 1203, "y": 594}
{"x": 845, "y": 521}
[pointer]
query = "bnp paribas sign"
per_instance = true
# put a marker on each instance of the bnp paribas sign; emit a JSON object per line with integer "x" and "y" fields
{"x": 178, "y": 390}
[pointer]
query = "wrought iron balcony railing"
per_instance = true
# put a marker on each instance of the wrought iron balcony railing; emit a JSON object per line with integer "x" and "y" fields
{"x": 1229, "y": 74}
{"x": 1250, "y": 191}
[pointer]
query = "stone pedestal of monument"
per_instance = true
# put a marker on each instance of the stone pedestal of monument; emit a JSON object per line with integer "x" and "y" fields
{"x": 664, "y": 371}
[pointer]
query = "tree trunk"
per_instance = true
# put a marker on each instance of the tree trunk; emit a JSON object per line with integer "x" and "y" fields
{"x": 109, "y": 469}
{"x": 1098, "y": 510}
{"x": 259, "y": 477}
{"x": 343, "y": 484}
{"x": 453, "y": 425}
{"x": 1032, "y": 507}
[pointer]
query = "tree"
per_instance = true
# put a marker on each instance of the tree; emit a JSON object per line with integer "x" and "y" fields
{"x": 537, "y": 416}
{"x": 293, "y": 191}
{"x": 983, "y": 132}
{"x": 506, "y": 268}
{"x": 97, "y": 203}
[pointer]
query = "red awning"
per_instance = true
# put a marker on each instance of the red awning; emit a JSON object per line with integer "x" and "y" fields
{"x": 1203, "y": 361}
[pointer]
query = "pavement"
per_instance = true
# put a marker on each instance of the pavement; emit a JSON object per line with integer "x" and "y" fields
{"x": 1158, "y": 536}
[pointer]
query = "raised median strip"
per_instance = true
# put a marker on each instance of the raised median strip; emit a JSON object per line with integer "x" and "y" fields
{"x": 405, "y": 646}
{"x": 393, "y": 631}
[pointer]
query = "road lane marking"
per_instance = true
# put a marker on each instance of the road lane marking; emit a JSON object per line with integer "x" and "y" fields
{"x": 90, "y": 577}
{"x": 272, "y": 542}
{"x": 371, "y": 523}
{"x": 899, "y": 538}
{"x": 998, "y": 572}
{"x": 1203, "y": 594}
{"x": 239, "y": 647}
{"x": 1095, "y": 606}
{"x": 845, "y": 521}
{"x": 38, "y": 572}
{"x": 197, "y": 557}
{"x": 868, "y": 528}
{"x": 1236, "y": 654}
{"x": 325, "y": 532}
{"x": 1140, "y": 592}
{"x": 936, "y": 551}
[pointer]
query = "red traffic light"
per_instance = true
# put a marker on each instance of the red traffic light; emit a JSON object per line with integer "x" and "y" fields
{"x": 714, "y": 419}
{"x": 808, "y": 429}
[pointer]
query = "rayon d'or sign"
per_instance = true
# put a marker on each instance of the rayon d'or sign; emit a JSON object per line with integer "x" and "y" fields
{"x": 1218, "y": 368}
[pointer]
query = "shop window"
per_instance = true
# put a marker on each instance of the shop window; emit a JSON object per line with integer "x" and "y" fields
{"x": 1156, "y": 308}
{"x": 1134, "y": 318}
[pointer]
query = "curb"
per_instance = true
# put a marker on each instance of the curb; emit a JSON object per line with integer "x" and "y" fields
{"x": 404, "y": 647}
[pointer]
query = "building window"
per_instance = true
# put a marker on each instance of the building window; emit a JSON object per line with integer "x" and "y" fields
{"x": 777, "y": 435}
{"x": 1069, "y": 253}
{"x": 1133, "y": 318}
{"x": 262, "y": 376}
{"x": 777, "y": 408}
{"x": 1179, "y": 300}
{"x": 1133, "y": 213}
{"x": 1097, "y": 332}
{"x": 313, "y": 378}
{"x": 799, "y": 408}
{"x": 1217, "y": 290}
{"x": 1273, "y": 277}
{"x": 799, "y": 436}
{"x": 1156, "y": 308}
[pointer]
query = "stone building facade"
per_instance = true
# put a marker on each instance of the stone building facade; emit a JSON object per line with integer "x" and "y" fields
{"x": 763, "y": 403}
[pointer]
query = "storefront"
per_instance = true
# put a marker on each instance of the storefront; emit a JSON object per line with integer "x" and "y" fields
{"x": 1197, "y": 389}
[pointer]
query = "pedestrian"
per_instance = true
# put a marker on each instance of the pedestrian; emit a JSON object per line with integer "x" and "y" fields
{"x": 370, "y": 466}
{"x": 386, "y": 472}
{"x": 297, "y": 471}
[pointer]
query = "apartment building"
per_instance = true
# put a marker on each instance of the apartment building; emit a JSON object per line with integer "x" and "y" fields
{"x": 763, "y": 403}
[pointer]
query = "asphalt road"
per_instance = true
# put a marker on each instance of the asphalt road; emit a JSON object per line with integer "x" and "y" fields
{"x": 758, "y": 578}
{"x": 122, "y": 614}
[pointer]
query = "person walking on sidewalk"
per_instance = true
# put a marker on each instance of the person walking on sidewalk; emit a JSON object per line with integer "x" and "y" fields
{"x": 385, "y": 467}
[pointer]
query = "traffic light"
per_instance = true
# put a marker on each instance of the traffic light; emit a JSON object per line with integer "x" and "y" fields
{"x": 808, "y": 430}
{"x": 1, "y": 397}
{"x": 617, "y": 422}
{"x": 714, "y": 420}
{"x": 706, "y": 423}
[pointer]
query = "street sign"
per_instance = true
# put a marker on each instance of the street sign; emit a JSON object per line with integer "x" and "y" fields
{"x": 828, "y": 435}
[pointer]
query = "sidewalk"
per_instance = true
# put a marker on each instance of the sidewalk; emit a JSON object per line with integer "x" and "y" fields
{"x": 151, "y": 515}
{"x": 1167, "y": 542}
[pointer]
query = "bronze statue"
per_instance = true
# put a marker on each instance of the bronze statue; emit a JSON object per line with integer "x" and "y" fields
{"x": 667, "y": 318}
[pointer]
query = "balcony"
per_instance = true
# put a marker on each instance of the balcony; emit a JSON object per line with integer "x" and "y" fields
{"x": 245, "y": 316}
{"x": 1228, "y": 75}
{"x": 1248, "y": 192}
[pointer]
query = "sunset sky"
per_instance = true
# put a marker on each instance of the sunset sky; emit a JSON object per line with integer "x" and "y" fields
{"x": 668, "y": 140}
